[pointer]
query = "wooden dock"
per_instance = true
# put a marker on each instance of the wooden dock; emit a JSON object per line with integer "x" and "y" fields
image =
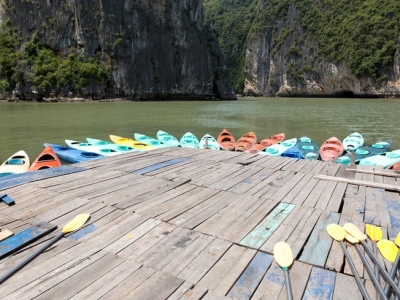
{"x": 179, "y": 223}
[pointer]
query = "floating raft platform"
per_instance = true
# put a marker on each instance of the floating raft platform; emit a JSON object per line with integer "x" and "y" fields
{"x": 180, "y": 223}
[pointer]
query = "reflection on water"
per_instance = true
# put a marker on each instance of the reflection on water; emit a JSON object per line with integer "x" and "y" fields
{"x": 26, "y": 126}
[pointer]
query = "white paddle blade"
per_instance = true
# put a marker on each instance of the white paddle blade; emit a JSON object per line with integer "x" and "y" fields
{"x": 283, "y": 254}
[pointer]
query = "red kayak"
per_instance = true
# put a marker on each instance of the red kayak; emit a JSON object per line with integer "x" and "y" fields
{"x": 272, "y": 140}
{"x": 226, "y": 140}
{"x": 47, "y": 159}
{"x": 331, "y": 149}
{"x": 395, "y": 167}
{"x": 246, "y": 142}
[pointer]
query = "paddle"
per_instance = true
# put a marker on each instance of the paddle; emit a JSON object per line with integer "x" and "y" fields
{"x": 284, "y": 258}
{"x": 370, "y": 271}
{"x": 73, "y": 225}
{"x": 382, "y": 245}
{"x": 338, "y": 233}
{"x": 357, "y": 234}
{"x": 375, "y": 234}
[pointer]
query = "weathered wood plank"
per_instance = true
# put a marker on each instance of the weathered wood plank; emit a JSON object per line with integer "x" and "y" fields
{"x": 299, "y": 274}
{"x": 317, "y": 248}
{"x": 271, "y": 285}
{"x": 257, "y": 237}
{"x": 251, "y": 277}
{"x": 320, "y": 285}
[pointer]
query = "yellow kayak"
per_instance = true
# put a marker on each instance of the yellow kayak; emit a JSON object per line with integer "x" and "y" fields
{"x": 18, "y": 163}
{"x": 130, "y": 142}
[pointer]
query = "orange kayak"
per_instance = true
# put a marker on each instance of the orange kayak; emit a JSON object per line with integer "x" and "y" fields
{"x": 246, "y": 142}
{"x": 331, "y": 149}
{"x": 272, "y": 140}
{"x": 47, "y": 159}
{"x": 395, "y": 167}
{"x": 226, "y": 140}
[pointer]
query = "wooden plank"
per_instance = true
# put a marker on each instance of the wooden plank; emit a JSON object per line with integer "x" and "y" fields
{"x": 287, "y": 187}
{"x": 299, "y": 274}
{"x": 376, "y": 208}
{"x": 335, "y": 259}
{"x": 388, "y": 173}
{"x": 305, "y": 191}
{"x": 317, "y": 248}
{"x": 346, "y": 288}
{"x": 230, "y": 181}
{"x": 181, "y": 291}
{"x": 246, "y": 184}
{"x": 251, "y": 277}
{"x": 106, "y": 283}
{"x": 5, "y": 233}
{"x": 198, "y": 267}
{"x": 359, "y": 182}
{"x": 271, "y": 285}
{"x": 24, "y": 237}
{"x": 320, "y": 285}
{"x": 129, "y": 284}
{"x": 160, "y": 165}
{"x": 257, "y": 237}
{"x": 335, "y": 201}
{"x": 80, "y": 280}
{"x": 227, "y": 270}
{"x": 314, "y": 195}
{"x": 7, "y": 199}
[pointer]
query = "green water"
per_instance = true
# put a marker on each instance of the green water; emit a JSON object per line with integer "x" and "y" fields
{"x": 26, "y": 126}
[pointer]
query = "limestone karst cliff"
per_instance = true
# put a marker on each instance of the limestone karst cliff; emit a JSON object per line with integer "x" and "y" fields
{"x": 149, "y": 49}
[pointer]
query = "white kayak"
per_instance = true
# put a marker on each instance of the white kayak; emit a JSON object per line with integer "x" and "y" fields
{"x": 279, "y": 148}
{"x": 210, "y": 141}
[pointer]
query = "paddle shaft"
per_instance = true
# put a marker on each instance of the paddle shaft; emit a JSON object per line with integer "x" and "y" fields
{"x": 288, "y": 284}
{"x": 376, "y": 270}
{"x": 392, "y": 273}
{"x": 371, "y": 273}
{"x": 382, "y": 270}
{"x": 360, "y": 285}
{"x": 26, "y": 260}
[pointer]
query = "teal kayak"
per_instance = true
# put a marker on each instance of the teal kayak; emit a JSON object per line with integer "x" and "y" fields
{"x": 167, "y": 139}
{"x": 149, "y": 140}
{"x": 110, "y": 145}
{"x": 353, "y": 141}
{"x": 364, "y": 152}
{"x": 279, "y": 148}
{"x": 308, "y": 148}
{"x": 385, "y": 159}
{"x": 189, "y": 140}
{"x": 211, "y": 142}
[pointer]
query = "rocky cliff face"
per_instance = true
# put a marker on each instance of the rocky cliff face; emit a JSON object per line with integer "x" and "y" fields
{"x": 151, "y": 48}
{"x": 277, "y": 66}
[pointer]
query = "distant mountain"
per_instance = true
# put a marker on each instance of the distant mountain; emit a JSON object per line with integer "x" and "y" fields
{"x": 309, "y": 47}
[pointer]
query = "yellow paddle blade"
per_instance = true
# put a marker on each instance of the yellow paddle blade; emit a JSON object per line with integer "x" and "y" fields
{"x": 351, "y": 239}
{"x": 397, "y": 240}
{"x": 283, "y": 254}
{"x": 388, "y": 249}
{"x": 76, "y": 223}
{"x": 374, "y": 232}
{"x": 354, "y": 231}
{"x": 336, "y": 232}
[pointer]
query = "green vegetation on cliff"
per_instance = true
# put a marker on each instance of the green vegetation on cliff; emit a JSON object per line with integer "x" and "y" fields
{"x": 363, "y": 34}
{"x": 39, "y": 67}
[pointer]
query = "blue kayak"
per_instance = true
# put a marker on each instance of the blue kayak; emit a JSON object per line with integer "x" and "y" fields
{"x": 384, "y": 159}
{"x": 71, "y": 155}
{"x": 292, "y": 152}
{"x": 364, "y": 152}
{"x": 308, "y": 148}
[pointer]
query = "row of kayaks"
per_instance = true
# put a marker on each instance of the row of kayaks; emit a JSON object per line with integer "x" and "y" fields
{"x": 332, "y": 150}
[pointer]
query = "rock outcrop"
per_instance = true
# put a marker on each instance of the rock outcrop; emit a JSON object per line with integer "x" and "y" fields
{"x": 151, "y": 49}
{"x": 273, "y": 69}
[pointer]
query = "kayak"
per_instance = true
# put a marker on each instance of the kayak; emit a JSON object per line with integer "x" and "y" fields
{"x": 385, "y": 159}
{"x": 46, "y": 160}
{"x": 116, "y": 147}
{"x": 331, "y": 149}
{"x": 15, "y": 164}
{"x": 72, "y": 155}
{"x": 364, "y": 152}
{"x": 293, "y": 152}
{"x": 167, "y": 139}
{"x": 246, "y": 142}
{"x": 101, "y": 149}
{"x": 353, "y": 141}
{"x": 279, "y": 148}
{"x": 211, "y": 142}
{"x": 189, "y": 140}
{"x": 308, "y": 148}
{"x": 149, "y": 140}
{"x": 272, "y": 140}
{"x": 395, "y": 167}
{"x": 131, "y": 143}
{"x": 226, "y": 140}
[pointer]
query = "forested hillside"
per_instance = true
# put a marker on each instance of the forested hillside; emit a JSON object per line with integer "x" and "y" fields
{"x": 302, "y": 37}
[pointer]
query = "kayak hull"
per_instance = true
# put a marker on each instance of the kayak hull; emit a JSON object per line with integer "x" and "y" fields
{"x": 47, "y": 159}
{"x": 189, "y": 140}
{"x": 17, "y": 163}
{"x": 364, "y": 152}
{"x": 246, "y": 142}
{"x": 331, "y": 149}
{"x": 211, "y": 142}
{"x": 226, "y": 140}
{"x": 149, "y": 140}
{"x": 167, "y": 139}
{"x": 353, "y": 141}
{"x": 131, "y": 143}
{"x": 385, "y": 159}
{"x": 272, "y": 140}
{"x": 308, "y": 148}
{"x": 279, "y": 148}
{"x": 72, "y": 155}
